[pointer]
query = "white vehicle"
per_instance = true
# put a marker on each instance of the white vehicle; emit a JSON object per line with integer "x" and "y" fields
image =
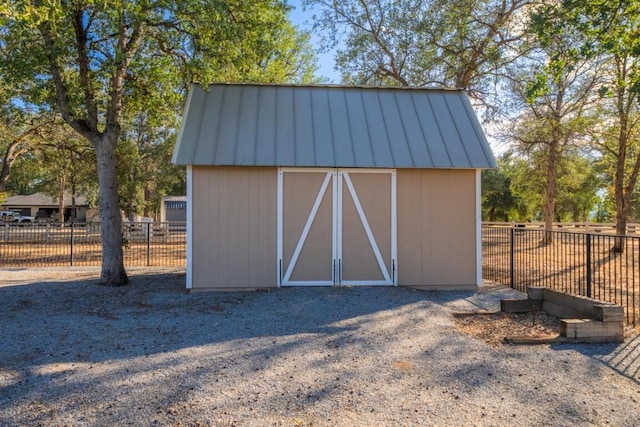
{"x": 13, "y": 216}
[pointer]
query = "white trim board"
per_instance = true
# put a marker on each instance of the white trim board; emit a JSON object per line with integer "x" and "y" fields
{"x": 189, "y": 278}
{"x": 478, "y": 213}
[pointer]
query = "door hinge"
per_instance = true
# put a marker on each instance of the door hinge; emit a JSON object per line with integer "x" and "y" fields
{"x": 393, "y": 271}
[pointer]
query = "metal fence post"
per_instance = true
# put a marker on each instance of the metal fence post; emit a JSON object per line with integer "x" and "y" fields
{"x": 71, "y": 256}
{"x": 588, "y": 265}
{"x": 511, "y": 258}
{"x": 148, "y": 244}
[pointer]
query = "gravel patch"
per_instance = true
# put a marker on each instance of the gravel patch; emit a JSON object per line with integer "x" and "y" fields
{"x": 75, "y": 353}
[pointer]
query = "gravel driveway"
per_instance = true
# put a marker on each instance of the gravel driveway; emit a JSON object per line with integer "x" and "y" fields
{"x": 73, "y": 353}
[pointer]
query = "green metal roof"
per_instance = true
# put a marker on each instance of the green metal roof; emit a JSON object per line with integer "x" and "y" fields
{"x": 330, "y": 126}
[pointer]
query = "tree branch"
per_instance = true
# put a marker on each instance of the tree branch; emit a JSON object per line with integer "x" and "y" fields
{"x": 61, "y": 91}
{"x": 126, "y": 48}
{"x": 83, "y": 68}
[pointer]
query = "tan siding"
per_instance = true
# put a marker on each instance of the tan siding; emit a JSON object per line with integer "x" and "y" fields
{"x": 410, "y": 227}
{"x": 436, "y": 228}
{"x": 234, "y": 227}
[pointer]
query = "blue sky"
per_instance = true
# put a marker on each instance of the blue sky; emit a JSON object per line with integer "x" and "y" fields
{"x": 302, "y": 19}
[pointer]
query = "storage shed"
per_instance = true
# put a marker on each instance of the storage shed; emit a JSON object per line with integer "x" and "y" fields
{"x": 331, "y": 185}
{"x": 174, "y": 208}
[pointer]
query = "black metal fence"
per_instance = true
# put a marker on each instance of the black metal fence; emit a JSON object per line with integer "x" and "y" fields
{"x": 574, "y": 262}
{"x": 146, "y": 244}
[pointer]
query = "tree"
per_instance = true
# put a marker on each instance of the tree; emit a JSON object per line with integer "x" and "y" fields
{"x": 557, "y": 94}
{"x": 515, "y": 190}
{"x": 498, "y": 201}
{"x": 20, "y": 130}
{"x": 578, "y": 185}
{"x": 68, "y": 167}
{"x": 524, "y": 175}
{"x": 95, "y": 62}
{"x": 463, "y": 43}
{"x": 610, "y": 30}
{"x": 146, "y": 173}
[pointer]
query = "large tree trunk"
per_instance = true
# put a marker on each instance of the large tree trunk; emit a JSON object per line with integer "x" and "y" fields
{"x": 113, "y": 272}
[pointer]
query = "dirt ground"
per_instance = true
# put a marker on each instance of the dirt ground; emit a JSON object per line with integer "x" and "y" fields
{"x": 496, "y": 329}
{"x": 56, "y": 254}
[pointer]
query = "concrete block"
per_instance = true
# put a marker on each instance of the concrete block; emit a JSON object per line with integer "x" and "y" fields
{"x": 590, "y": 330}
{"x": 520, "y": 305}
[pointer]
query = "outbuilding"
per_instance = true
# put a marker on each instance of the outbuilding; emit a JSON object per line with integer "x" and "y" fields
{"x": 43, "y": 206}
{"x": 173, "y": 209}
{"x": 330, "y": 185}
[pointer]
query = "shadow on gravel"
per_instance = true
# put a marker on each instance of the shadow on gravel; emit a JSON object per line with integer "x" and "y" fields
{"x": 81, "y": 322}
{"x": 623, "y": 358}
{"x": 152, "y": 354}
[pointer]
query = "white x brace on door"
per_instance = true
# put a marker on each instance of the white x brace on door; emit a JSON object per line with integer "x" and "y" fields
{"x": 336, "y": 227}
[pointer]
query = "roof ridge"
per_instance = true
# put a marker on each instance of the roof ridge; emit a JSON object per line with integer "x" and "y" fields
{"x": 333, "y": 86}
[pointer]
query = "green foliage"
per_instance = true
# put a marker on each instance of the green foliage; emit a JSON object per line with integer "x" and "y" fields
{"x": 498, "y": 201}
{"x": 175, "y": 43}
{"x": 606, "y": 31}
{"x": 579, "y": 183}
{"x": 524, "y": 175}
{"x": 163, "y": 46}
{"x": 513, "y": 192}
{"x": 605, "y": 209}
{"x": 463, "y": 43}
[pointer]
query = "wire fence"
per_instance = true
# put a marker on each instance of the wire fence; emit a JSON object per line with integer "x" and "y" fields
{"x": 573, "y": 262}
{"x": 146, "y": 244}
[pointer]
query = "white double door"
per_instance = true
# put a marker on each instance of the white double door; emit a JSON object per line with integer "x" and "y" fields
{"x": 336, "y": 227}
